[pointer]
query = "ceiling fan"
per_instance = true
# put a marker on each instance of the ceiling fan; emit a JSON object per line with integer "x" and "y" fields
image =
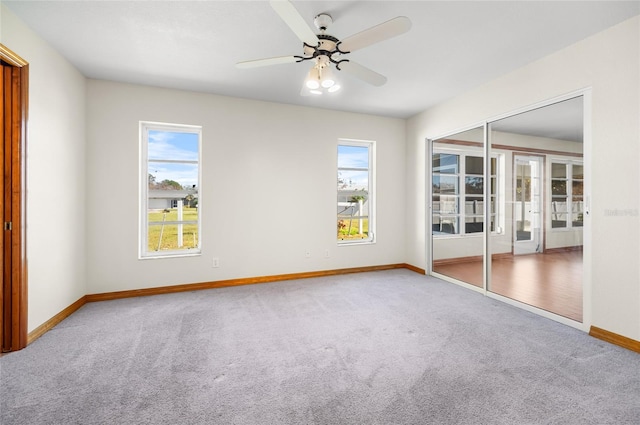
{"x": 326, "y": 50}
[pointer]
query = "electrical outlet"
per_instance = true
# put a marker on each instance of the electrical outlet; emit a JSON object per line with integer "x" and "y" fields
{"x": 216, "y": 262}
{"x": 307, "y": 254}
{"x": 327, "y": 254}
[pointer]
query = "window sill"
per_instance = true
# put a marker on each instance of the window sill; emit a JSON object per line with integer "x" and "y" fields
{"x": 358, "y": 242}
{"x": 170, "y": 255}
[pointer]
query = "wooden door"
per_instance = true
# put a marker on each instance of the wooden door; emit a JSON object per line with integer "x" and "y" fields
{"x": 13, "y": 119}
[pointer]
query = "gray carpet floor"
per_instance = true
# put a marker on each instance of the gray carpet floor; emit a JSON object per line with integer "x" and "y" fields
{"x": 389, "y": 347}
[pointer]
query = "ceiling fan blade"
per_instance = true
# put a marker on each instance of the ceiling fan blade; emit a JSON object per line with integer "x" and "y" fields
{"x": 363, "y": 73}
{"x": 266, "y": 62}
{"x": 295, "y": 21}
{"x": 381, "y": 32}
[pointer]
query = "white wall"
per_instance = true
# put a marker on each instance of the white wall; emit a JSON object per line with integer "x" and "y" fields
{"x": 608, "y": 63}
{"x": 278, "y": 159}
{"x": 55, "y": 173}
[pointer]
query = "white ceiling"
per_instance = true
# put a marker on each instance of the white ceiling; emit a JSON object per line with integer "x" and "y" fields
{"x": 193, "y": 45}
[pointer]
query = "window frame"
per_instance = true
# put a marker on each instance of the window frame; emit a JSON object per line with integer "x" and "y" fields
{"x": 568, "y": 196}
{"x": 371, "y": 195}
{"x": 143, "y": 205}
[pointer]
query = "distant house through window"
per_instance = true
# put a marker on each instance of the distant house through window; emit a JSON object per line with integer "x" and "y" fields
{"x": 355, "y": 192}
{"x": 170, "y": 186}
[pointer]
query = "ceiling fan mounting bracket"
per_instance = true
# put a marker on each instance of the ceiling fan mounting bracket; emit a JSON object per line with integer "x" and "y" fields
{"x": 323, "y": 21}
{"x": 338, "y": 48}
{"x": 339, "y": 62}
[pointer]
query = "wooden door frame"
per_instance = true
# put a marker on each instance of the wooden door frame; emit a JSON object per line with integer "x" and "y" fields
{"x": 15, "y": 332}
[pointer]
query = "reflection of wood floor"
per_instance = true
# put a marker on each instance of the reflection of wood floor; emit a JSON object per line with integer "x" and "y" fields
{"x": 552, "y": 282}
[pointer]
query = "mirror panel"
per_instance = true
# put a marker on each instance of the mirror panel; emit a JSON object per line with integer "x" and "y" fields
{"x": 457, "y": 206}
{"x": 537, "y": 260}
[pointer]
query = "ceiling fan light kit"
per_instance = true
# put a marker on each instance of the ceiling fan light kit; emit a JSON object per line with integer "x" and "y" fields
{"x": 327, "y": 79}
{"x": 320, "y": 78}
{"x": 313, "y": 79}
{"x": 328, "y": 51}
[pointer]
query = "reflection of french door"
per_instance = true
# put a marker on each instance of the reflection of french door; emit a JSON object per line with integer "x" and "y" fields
{"x": 527, "y": 205}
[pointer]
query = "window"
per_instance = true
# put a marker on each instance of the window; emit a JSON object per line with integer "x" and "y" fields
{"x": 567, "y": 179}
{"x": 457, "y": 193}
{"x": 355, "y": 192}
{"x": 170, "y": 186}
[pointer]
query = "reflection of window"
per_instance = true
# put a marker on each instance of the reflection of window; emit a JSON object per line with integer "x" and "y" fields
{"x": 457, "y": 193}
{"x": 567, "y": 206}
{"x": 170, "y": 174}
{"x": 446, "y": 193}
{"x": 355, "y": 192}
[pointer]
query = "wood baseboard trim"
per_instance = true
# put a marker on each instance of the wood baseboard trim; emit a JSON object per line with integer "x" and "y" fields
{"x": 563, "y": 249}
{"x": 457, "y": 260}
{"x": 107, "y": 296}
{"x": 414, "y": 269}
{"x": 470, "y": 259}
{"x": 46, "y": 326}
{"x": 602, "y": 334}
{"x": 613, "y": 338}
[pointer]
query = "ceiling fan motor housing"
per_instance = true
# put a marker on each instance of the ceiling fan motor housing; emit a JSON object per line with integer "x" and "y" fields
{"x": 326, "y": 46}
